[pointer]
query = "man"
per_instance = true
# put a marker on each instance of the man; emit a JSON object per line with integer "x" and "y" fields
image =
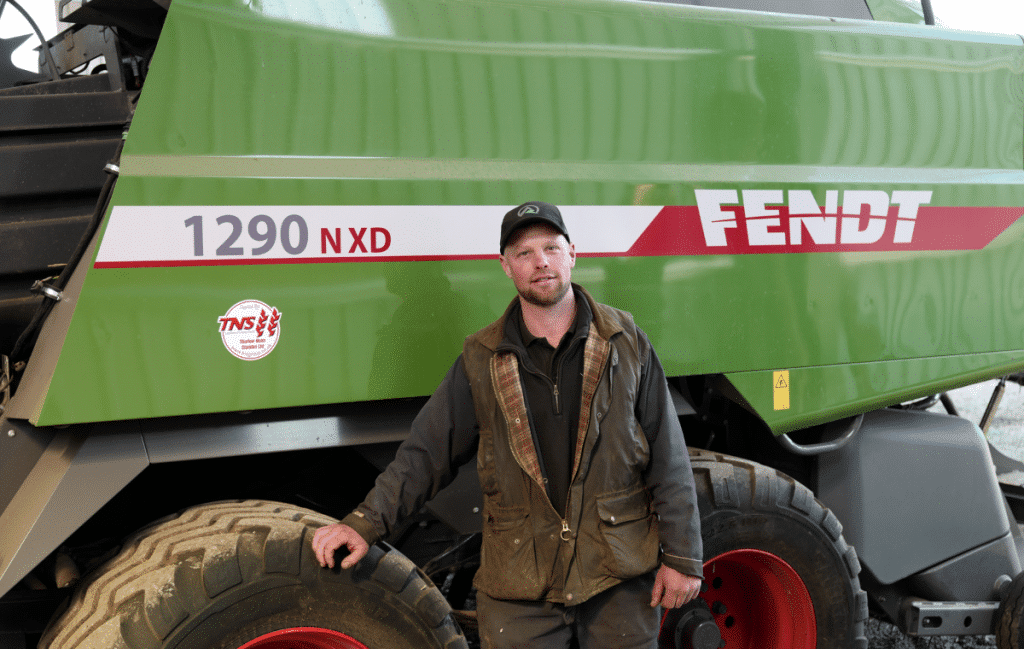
{"x": 590, "y": 516}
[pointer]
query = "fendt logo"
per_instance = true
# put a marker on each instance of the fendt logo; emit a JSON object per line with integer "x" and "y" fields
{"x": 770, "y": 218}
{"x": 528, "y": 209}
{"x": 773, "y": 221}
{"x": 250, "y": 329}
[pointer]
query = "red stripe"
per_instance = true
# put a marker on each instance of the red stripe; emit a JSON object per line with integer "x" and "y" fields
{"x": 174, "y": 263}
{"x": 678, "y": 231}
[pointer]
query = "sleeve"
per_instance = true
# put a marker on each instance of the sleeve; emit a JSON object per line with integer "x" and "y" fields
{"x": 668, "y": 475}
{"x": 444, "y": 436}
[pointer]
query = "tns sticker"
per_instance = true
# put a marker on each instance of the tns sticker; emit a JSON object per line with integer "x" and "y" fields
{"x": 250, "y": 329}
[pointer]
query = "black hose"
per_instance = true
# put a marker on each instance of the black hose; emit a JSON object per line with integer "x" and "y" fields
{"x": 929, "y": 15}
{"x": 923, "y": 404}
{"x": 28, "y": 336}
{"x": 948, "y": 403}
{"x": 94, "y": 223}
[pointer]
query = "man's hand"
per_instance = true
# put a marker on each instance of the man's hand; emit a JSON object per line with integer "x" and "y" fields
{"x": 673, "y": 589}
{"x": 329, "y": 538}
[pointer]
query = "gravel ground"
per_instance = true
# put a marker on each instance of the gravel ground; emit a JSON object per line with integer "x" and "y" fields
{"x": 1007, "y": 435}
{"x": 882, "y": 635}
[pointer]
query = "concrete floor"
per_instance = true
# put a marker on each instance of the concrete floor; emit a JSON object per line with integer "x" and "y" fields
{"x": 1007, "y": 430}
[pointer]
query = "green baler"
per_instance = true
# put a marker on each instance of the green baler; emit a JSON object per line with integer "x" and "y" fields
{"x": 813, "y": 214}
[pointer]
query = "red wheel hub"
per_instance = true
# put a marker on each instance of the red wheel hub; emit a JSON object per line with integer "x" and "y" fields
{"x": 304, "y": 638}
{"x": 759, "y": 601}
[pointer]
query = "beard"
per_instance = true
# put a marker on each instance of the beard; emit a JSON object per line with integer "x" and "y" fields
{"x": 545, "y": 298}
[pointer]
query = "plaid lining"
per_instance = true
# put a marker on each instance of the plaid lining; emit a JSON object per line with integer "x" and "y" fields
{"x": 508, "y": 389}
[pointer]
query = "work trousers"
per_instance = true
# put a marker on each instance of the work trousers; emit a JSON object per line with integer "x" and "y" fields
{"x": 619, "y": 618}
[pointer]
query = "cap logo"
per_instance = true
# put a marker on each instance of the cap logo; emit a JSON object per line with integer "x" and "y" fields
{"x": 528, "y": 209}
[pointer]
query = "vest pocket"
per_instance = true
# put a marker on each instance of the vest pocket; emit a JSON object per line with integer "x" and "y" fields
{"x": 508, "y": 555}
{"x": 630, "y": 532}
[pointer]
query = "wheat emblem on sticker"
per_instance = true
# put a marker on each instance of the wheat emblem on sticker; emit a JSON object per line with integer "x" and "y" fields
{"x": 250, "y": 329}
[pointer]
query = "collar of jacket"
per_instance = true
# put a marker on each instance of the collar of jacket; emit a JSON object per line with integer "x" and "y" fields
{"x": 493, "y": 336}
{"x": 504, "y": 370}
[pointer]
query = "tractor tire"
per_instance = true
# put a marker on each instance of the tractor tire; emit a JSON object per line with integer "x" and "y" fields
{"x": 1010, "y": 616}
{"x": 777, "y": 570}
{"x": 243, "y": 575}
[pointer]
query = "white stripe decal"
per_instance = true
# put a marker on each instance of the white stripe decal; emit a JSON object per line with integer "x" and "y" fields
{"x": 139, "y": 236}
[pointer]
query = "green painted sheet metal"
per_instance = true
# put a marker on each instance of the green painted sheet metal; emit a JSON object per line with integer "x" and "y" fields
{"x": 585, "y": 103}
{"x": 818, "y": 394}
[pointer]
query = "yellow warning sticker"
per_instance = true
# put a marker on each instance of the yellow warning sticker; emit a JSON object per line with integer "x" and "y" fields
{"x": 780, "y": 389}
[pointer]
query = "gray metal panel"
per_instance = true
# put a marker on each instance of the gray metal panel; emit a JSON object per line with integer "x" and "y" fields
{"x": 970, "y": 577}
{"x": 75, "y": 476}
{"x": 235, "y": 434}
{"x": 682, "y": 403}
{"x": 921, "y": 618}
{"x": 21, "y": 446}
{"x": 913, "y": 489}
{"x": 27, "y": 402}
{"x": 83, "y": 467}
{"x": 372, "y": 424}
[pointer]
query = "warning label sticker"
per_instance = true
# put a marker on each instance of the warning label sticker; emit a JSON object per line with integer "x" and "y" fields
{"x": 780, "y": 389}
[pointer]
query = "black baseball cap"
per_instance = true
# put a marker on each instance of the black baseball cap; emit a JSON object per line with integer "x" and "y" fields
{"x": 528, "y": 213}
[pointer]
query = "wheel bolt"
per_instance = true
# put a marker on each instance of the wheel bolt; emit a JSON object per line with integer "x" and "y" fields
{"x": 718, "y": 608}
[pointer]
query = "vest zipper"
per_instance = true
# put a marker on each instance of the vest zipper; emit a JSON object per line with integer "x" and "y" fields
{"x": 554, "y": 386}
{"x": 558, "y": 375}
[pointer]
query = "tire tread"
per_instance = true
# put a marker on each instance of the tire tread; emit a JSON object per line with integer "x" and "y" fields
{"x": 743, "y": 485}
{"x": 1010, "y": 616}
{"x": 176, "y": 566}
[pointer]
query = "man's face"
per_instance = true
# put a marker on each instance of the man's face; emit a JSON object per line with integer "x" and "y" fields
{"x": 539, "y": 261}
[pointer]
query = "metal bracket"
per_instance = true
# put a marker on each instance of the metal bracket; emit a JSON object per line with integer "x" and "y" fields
{"x": 823, "y": 447}
{"x": 41, "y": 287}
{"x": 923, "y": 618}
{"x": 79, "y": 45}
{"x": 993, "y": 405}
